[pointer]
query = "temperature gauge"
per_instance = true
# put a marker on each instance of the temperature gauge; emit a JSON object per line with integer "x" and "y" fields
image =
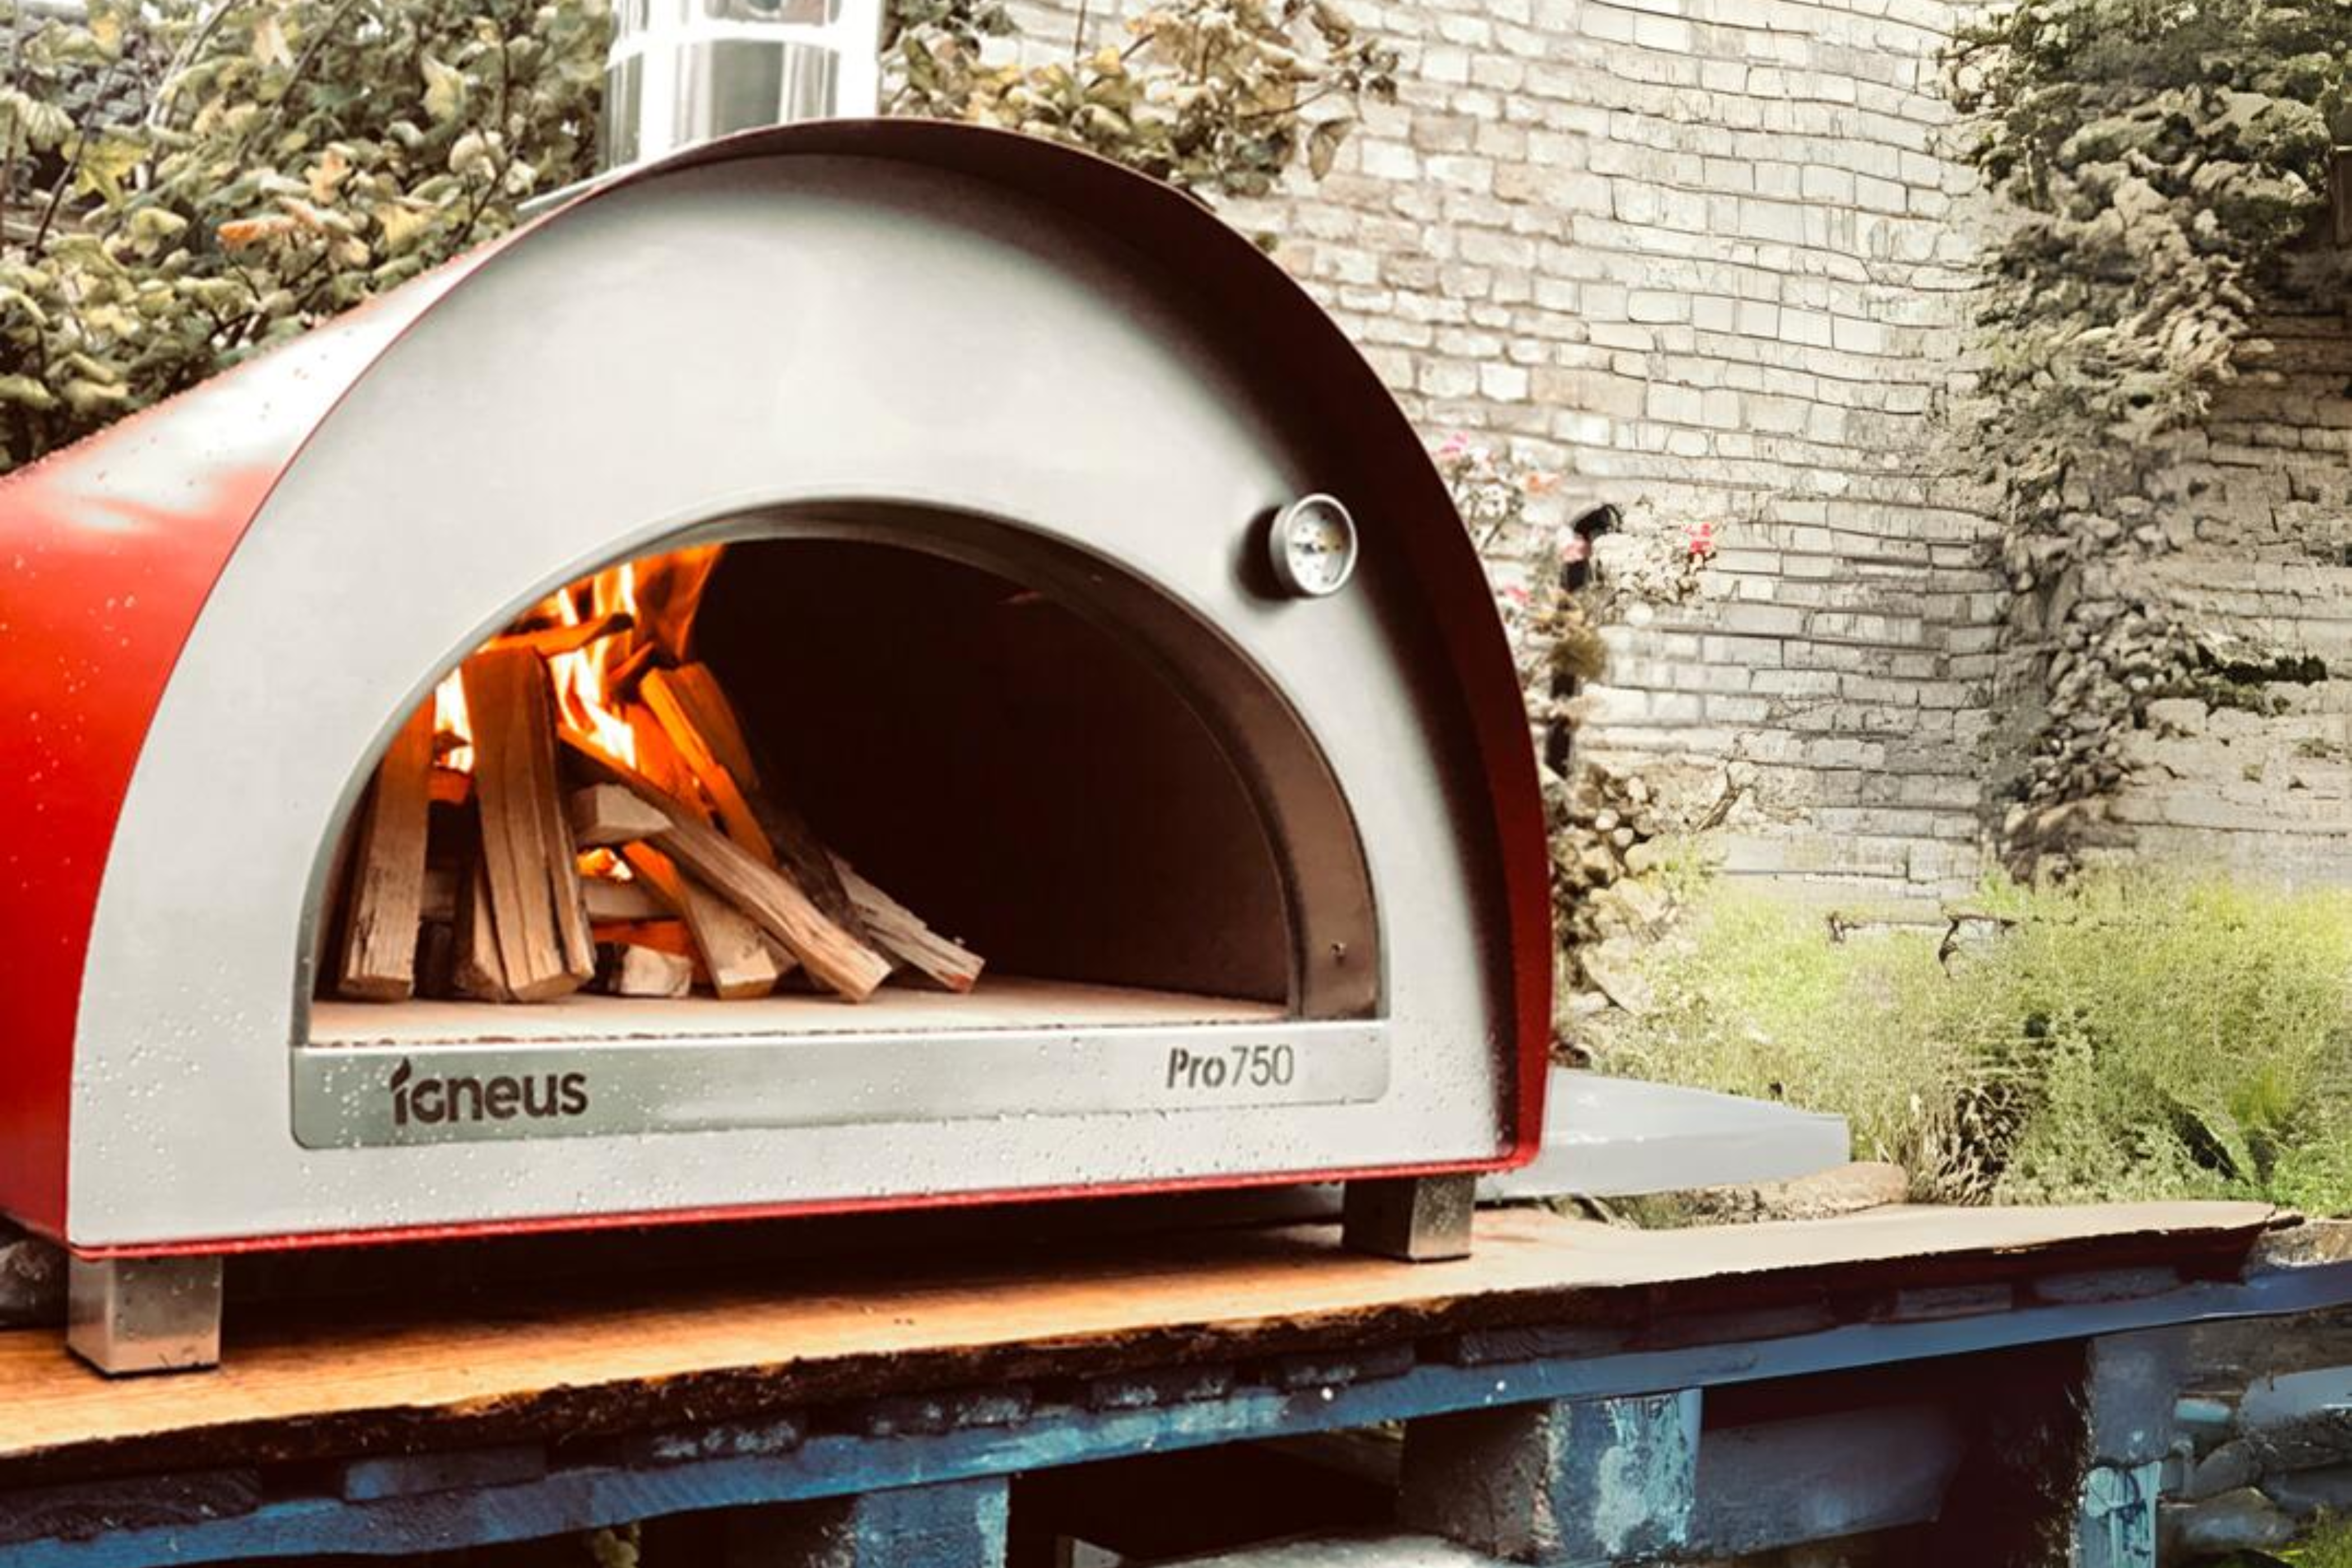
{"x": 1314, "y": 546}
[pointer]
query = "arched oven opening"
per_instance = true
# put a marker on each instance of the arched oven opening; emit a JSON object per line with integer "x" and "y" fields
{"x": 868, "y": 773}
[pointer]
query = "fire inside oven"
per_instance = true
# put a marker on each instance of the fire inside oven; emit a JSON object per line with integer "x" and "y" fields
{"x": 853, "y": 824}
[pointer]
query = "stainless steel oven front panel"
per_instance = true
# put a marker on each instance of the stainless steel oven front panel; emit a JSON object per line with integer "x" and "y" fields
{"x": 625, "y": 373}
{"x": 348, "y": 1096}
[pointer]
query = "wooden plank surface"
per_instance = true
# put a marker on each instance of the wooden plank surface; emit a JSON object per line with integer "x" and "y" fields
{"x": 635, "y": 1350}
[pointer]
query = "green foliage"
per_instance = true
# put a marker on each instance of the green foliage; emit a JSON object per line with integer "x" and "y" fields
{"x": 2128, "y": 1036}
{"x": 2162, "y": 158}
{"x": 2326, "y": 1544}
{"x": 1211, "y": 96}
{"x": 1752, "y": 996}
{"x": 246, "y": 168}
{"x": 2162, "y": 153}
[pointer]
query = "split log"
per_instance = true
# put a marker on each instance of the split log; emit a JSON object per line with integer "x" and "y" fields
{"x": 611, "y": 900}
{"x": 659, "y": 761}
{"x": 387, "y": 874}
{"x": 476, "y": 970}
{"x": 664, "y": 697}
{"x": 695, "y": 716}
{"x": 900, "y": 932}
{"x": 622, "y": 683}
{"x": 835, "y": 960}
{"x": 606, "y": 815}
{"x": 633, "y": 971}
{"x": 538, "y": 914}
{"x": 607, "y": 899}
{"x": 735, "y": 953}
{"x": 664, "y": 935}
{"x": 548, "y": 642}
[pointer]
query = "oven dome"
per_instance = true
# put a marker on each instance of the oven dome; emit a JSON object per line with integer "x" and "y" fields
{"x": 219, "y": 608}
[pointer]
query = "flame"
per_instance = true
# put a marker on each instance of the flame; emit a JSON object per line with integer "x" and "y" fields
{"x": 602, "y": 862}
{"x": 453, "y": 731}
{"x": 582, "y": 680}
{"x": 660, "y": 595}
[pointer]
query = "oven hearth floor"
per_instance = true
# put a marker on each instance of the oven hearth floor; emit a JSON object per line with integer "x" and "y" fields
{"x": 999, "y": 1001}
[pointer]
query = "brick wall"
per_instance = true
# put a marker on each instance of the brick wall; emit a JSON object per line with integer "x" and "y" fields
{"x": 2261, "y": 512}
{"x": 1709, "y": 258}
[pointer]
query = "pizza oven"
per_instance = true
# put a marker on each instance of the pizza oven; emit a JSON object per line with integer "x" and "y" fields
{"x": 866, "y": 664}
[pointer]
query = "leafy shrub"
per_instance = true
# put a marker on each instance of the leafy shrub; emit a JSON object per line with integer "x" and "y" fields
{"x": 2128, "y": 1036}
{"x": 184, "y": 184}
{"x": 1207, "y": 95}
{"x": 2328, "y": 1545}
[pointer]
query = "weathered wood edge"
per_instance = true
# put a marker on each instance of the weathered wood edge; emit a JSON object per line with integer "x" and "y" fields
{"x": 591, "y": 1484}
{"x": 1735, "y": 1303}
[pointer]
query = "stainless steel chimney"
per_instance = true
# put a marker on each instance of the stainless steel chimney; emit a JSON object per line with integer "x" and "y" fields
{"x": 683, "y": 71}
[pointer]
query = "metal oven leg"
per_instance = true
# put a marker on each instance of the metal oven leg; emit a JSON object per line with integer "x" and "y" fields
{"x": 128, "y": 1315}
{"x": 1419, "y": 1219}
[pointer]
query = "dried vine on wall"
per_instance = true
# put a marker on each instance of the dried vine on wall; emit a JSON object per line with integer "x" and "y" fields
{"x": 2161, "y": 158}
{"x": 1561, "y": 574}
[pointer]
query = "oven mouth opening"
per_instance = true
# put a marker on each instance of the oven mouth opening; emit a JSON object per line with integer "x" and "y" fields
{"x": 1055, "y": 772}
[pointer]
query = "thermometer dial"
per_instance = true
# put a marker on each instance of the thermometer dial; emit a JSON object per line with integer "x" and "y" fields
{"x": 1314, "y": 546}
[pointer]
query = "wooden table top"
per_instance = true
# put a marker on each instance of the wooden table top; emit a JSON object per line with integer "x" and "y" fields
{"x": 631, "y": 1350}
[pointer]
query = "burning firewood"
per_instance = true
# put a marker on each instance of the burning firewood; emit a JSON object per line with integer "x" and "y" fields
{"x": 670, "y": 840}
{"x": 548, "y": 641}
{"x": 834, "y": 959}
{"x": 661, "y": 691}
{"x": 387, "y": 877}
{"x": 607, "y": 815}
{"x": 607, "y": 899}
{"x": 477, "y": 968}
{"x": 702, "y": 727}
{"x": 538, "y": 913}
{"x": 632, "y": 971}
{"x": 899, "y": 932}
{"x": 734, "y": 952}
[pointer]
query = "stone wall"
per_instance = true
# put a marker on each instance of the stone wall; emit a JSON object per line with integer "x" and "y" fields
{"x": 2264, "y": 1424}
{"x": 1709, "y": 259}
{"x": 2260, "y": 513}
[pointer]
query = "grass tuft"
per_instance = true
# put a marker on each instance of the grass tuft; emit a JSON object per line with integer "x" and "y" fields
{"x": 2133, "y": 1036}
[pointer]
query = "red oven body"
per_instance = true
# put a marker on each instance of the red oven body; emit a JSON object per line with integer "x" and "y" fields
{"x": 113, "y": 553}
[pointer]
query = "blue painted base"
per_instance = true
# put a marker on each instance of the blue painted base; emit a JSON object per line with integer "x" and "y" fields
{"x": 764, "y": 1462}
{"x": 957, "y": 1524}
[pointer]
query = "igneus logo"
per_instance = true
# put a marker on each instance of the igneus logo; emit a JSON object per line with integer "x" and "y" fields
{"x": 432, "y": 1101}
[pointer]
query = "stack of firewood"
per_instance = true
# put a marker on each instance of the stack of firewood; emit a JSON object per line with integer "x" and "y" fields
{"x": 526, "y": 854}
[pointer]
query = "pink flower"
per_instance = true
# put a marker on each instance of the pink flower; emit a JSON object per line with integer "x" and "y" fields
{"x": 1453, "y": 445}
{"x": 1516, "y": 595}
{"x": 1702, "y": 540}
{"x": 1573, "y": 547}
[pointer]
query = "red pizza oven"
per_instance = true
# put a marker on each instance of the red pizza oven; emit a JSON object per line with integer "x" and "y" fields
{"x": 1099, "y": 744}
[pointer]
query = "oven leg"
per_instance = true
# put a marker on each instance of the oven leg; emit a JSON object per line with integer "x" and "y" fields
{"x": 1419, "y": 1219}
{"x": 128, "y": 1315}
